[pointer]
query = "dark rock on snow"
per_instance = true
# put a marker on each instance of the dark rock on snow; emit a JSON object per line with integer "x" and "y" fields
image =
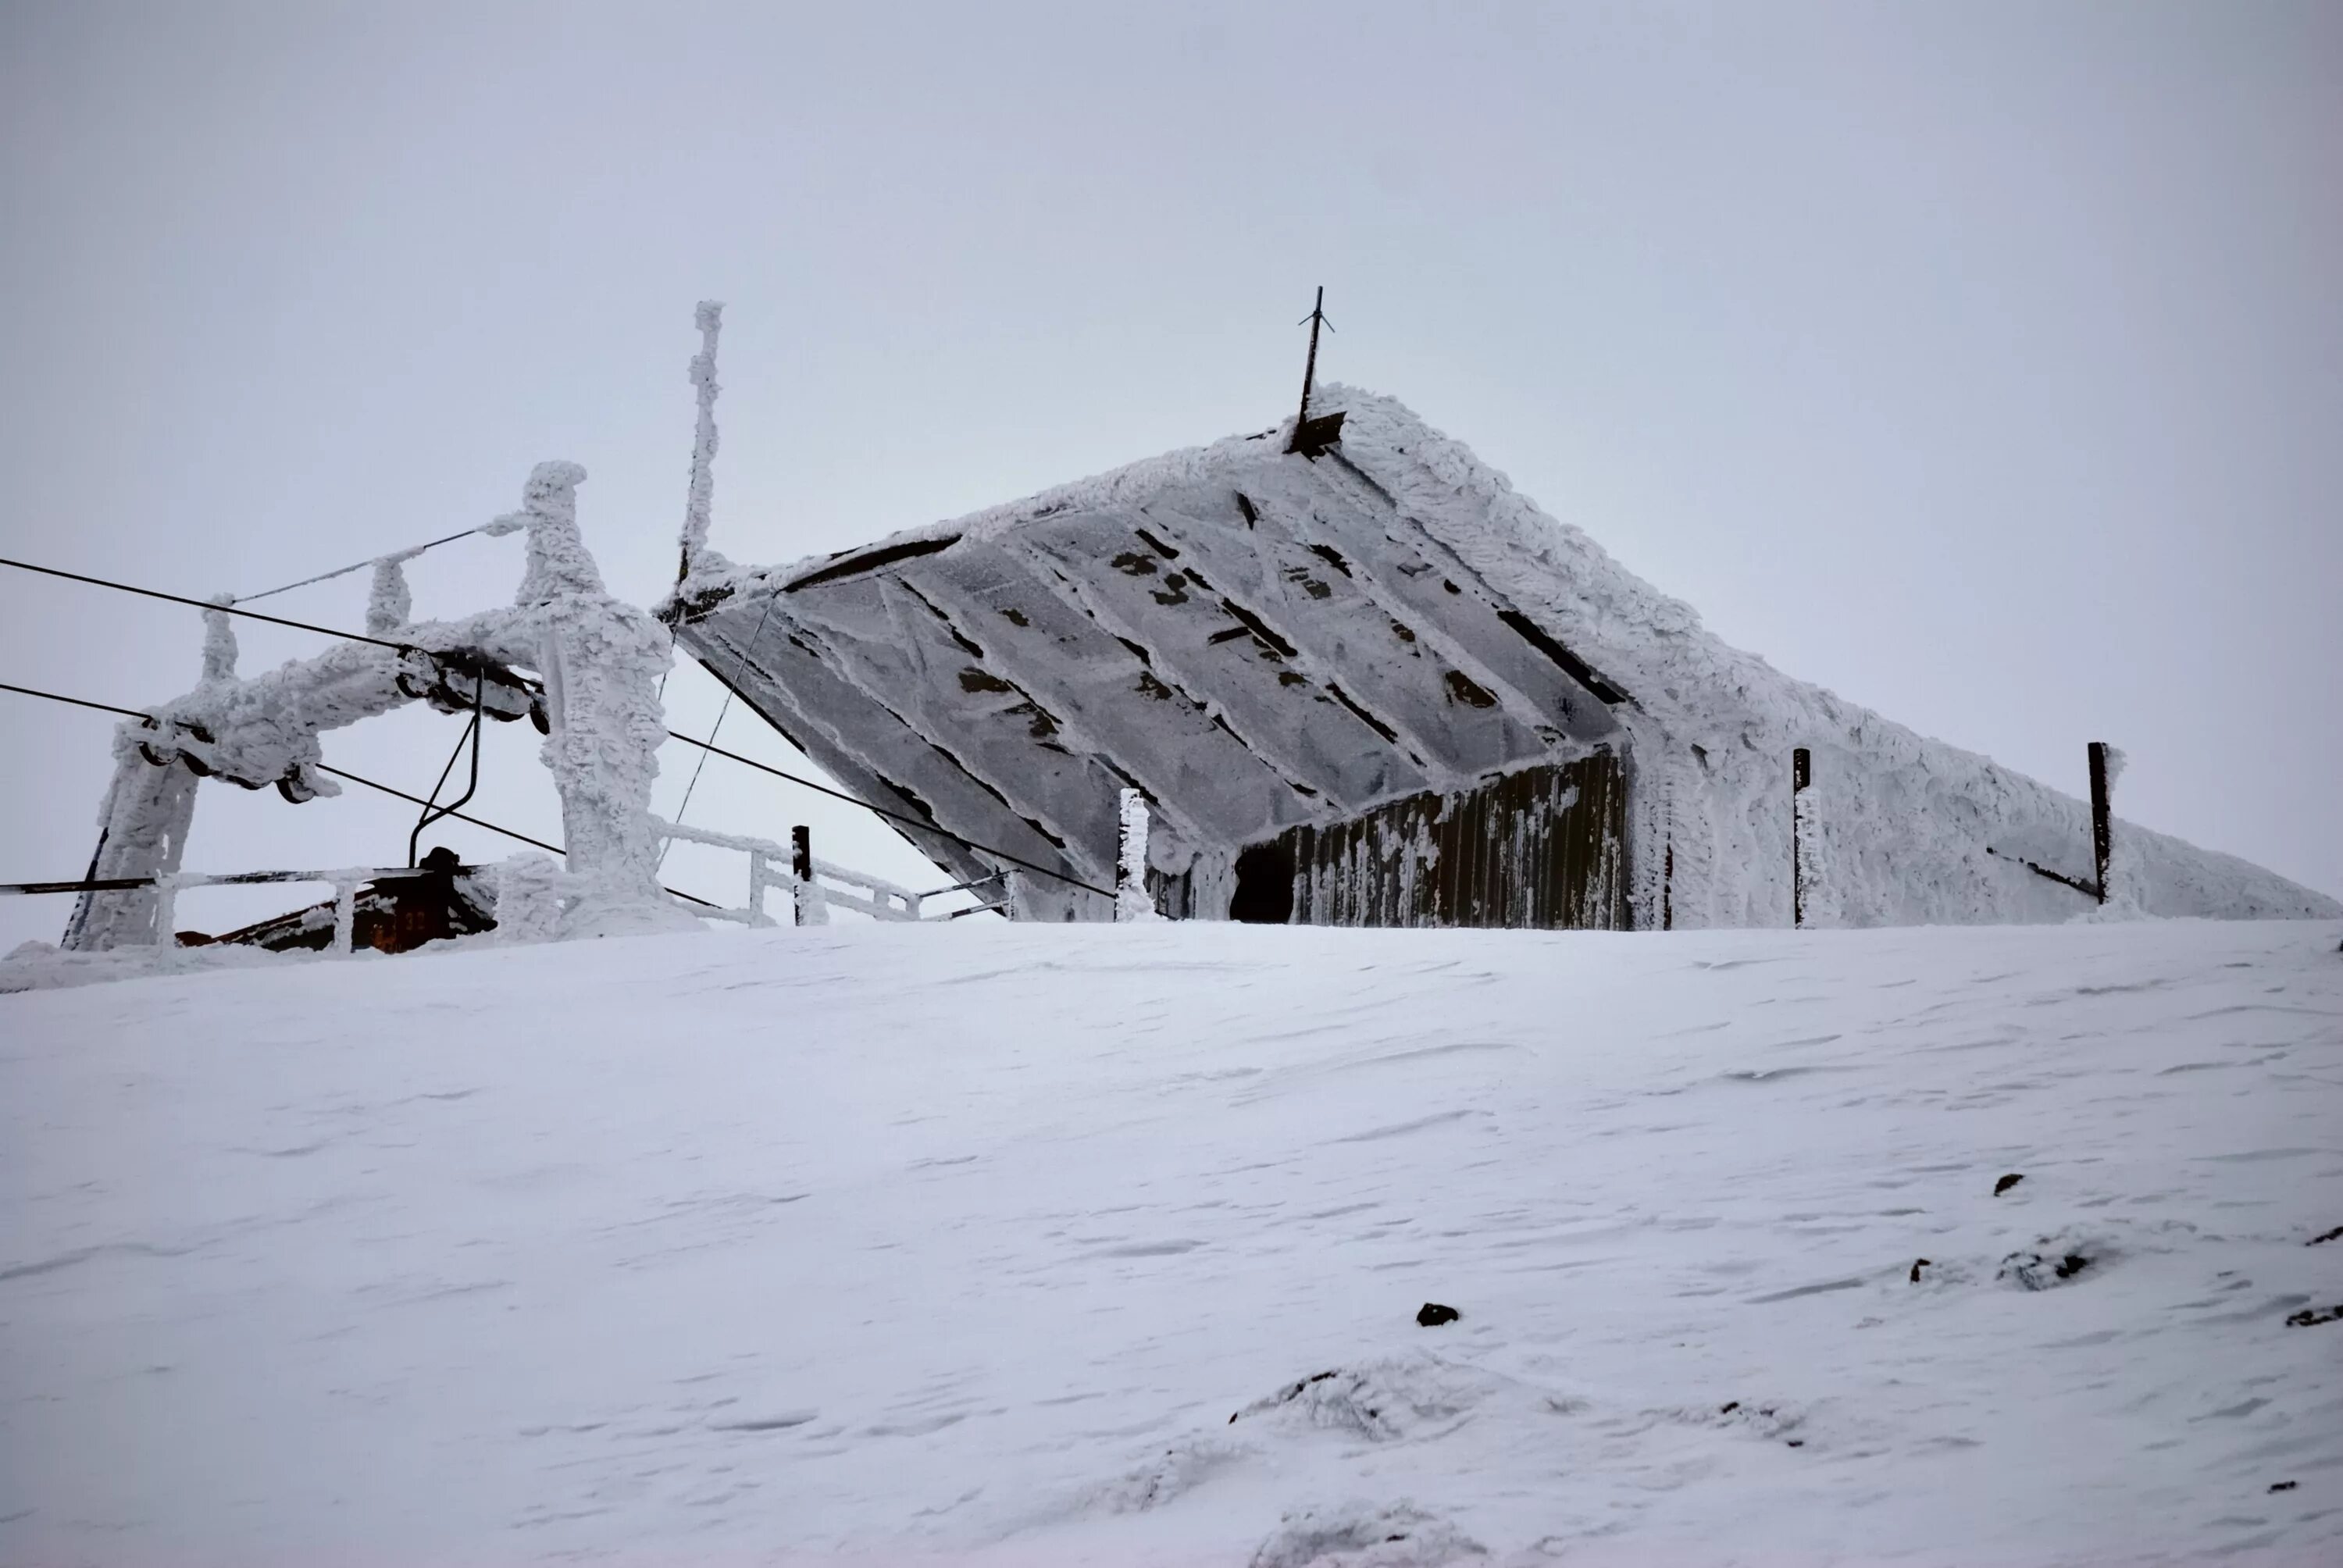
{"x": 2036, "y": 1271}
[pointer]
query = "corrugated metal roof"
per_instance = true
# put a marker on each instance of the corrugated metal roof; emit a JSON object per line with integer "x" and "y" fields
{"x": 1255, "y": 639}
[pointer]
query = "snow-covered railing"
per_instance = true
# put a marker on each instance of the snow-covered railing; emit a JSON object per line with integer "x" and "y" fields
{"x": 793, "y": 869}
{"x": 345, "y": 883}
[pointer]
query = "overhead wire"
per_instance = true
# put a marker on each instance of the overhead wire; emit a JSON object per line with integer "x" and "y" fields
{"x": 493, "y": 828}
{"x": 903, "y": 816}
{"x": 210, "y": 605}
{"x": 76, "y": 701}
{"x": 924, "y": 827}
{"x": 408, "y": 554}
{"x": 340, "y": 773}
{"x": 717, "y": 727}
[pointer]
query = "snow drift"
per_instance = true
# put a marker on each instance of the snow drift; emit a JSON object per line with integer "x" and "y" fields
{"x": 1044, "y": 1244}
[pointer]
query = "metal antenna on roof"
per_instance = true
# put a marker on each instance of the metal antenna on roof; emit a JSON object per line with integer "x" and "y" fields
{"x": 700, "y": 501}
{"x": 1312, "y": 436}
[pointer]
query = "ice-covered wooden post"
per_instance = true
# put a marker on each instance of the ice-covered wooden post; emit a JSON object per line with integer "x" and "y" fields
{"x": 1131, "y": 901}
{"x": 2102, "y": 818}
{"x": 758, "y": 880}
{"x": 142, "y": 828}
{"x": 809, "y": 907}
{"x": 1801, "y": 774}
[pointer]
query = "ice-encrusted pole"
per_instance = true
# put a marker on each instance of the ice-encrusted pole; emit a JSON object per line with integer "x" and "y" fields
{"x": 142, "y": 827}
{"x": 700, "y": 504}
{"x": 1299, "y": 440}
{"x": 389, "y": 603}
{"x": 807, "y": 905}
{"x": 1801, "y": 775}
{"x": 601, "y": 659}
{"x": 219, "y": 641}
{"x": 142, "y": 832}
{"x": 2115, "y": 858}
{"x": 2102, "y": 818}
{"x": 1131, "y": 898}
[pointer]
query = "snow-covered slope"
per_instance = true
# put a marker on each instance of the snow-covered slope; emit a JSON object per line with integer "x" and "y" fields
{"x": 1028, "y": 1244}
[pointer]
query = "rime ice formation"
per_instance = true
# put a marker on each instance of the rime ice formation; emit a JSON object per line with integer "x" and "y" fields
{"x": 1264, "y": 643}
{"x": 700, "y": 503}
{"x": 809, "y": 904}
{"x": 558, "y": 560}
{"x": 388, "y": 603}
{"x": 1902, "y": 822}
{"x": 1131, "y": 901}
{"x": 144, "y": 821}
{"x": 529, "y": 890}
{"x": 219, "y": 643}
{"x": 142, "y": 832}
{"x": 601, "y": 660}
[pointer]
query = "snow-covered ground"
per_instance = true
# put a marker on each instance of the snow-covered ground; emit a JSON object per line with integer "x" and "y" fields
{"x": 1031, "y": 1244}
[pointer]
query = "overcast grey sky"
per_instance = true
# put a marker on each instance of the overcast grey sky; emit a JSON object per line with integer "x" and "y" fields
{"x": 1983, "y": 362}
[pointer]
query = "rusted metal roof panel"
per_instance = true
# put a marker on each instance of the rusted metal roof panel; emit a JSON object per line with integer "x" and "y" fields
{"x": 1259, "y": 640}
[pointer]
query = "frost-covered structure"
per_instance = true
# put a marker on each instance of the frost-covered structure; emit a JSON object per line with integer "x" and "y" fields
{"x": 1131, "y": 900}
{"x": 1373, "y": 685}
{"x": 597, "y": 662}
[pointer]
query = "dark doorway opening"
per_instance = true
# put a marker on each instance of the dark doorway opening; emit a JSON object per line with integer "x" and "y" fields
{"x": 1264, "y": 895}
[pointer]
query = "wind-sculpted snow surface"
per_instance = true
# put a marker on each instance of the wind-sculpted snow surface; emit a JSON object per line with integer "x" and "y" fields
{"x": 1018, "y": 1245}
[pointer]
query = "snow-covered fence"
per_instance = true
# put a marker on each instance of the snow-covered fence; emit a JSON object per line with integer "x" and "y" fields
{"x": 165, "y": 887}
{"x": 2106, "y": 763}
{"x": 814, "y": 885}
{"x": 345, "y": 882}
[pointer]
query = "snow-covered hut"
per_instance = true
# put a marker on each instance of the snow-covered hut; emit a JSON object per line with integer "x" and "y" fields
{"x": 1372, "y": 685}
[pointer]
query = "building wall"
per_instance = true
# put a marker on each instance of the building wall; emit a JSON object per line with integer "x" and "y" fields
{"x": 1542, "y": 847}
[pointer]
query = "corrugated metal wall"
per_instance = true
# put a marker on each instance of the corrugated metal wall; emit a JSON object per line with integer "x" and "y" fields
{"x": 1544, "y": 848}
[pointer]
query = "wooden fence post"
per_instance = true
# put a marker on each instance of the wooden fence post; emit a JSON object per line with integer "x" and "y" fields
{"x": 2102, "y": 820}
{"x": 1668, "y": 849}
{"x": 758, "y": 880}
{"x": 801, "y": 873}
{"x": 1801, "y": 774}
